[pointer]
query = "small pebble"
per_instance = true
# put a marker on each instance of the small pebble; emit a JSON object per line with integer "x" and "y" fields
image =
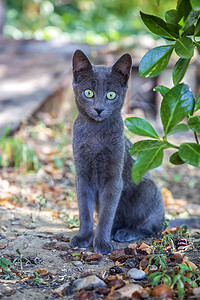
{"x": 136, "y": 274}
{"x": 153, "y": 268}
{"x": 196, "y": 291}
{"x": 89, "y": 281}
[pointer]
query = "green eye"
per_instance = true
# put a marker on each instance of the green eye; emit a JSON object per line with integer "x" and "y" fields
{"x": 89, "y": 93}
{"x": 111, "y": 95}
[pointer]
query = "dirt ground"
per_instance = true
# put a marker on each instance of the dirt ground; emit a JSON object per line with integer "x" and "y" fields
{"x": 38, "y": 216}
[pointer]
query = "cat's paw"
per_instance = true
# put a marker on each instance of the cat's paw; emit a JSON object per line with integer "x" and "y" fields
{"x": 80, "y": 242}
{"x": 125, "y": 235}
{"x": 103, "y": 247}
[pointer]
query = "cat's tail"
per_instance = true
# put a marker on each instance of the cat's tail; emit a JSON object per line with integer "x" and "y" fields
{"x": 192, "y": 223}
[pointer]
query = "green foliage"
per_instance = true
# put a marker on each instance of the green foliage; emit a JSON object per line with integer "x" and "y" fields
{"x": 19, "y": 260}
{"x": 73, "y": 221}
{"x": 179, "y": 278}
{"x": 155, "y": 61}
{"x": 182, "y": 28}
{"x": 160, "y": 276}
{"x": 94, "y": 22}
{"x": 13, "y": 151}
{"x": 5, "y": 263}
{"x": 37, "y": 279}
{"x": 159, "y": 259}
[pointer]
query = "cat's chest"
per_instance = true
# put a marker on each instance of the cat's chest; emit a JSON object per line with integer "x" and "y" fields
{"x": 90, "y": 142}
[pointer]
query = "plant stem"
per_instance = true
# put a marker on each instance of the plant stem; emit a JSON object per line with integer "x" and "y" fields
{"x": 171, "y": 145}
{"x": 196, "y": 137}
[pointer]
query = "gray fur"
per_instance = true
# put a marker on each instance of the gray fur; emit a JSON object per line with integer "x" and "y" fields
{"x": 126, "y": 211}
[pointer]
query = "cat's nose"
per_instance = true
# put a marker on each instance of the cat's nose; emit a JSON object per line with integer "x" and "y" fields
{"x": 98, "y": 110}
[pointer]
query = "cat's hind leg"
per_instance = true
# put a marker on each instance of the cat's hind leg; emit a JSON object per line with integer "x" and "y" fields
{"x": 140, "y": 212}
{"x": 132, "y": 234}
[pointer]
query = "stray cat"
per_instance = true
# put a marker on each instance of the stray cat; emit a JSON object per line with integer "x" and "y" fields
{"x": 126, "y": 211}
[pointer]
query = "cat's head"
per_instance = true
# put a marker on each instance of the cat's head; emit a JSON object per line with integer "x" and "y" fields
{"x": 100, "y": 90}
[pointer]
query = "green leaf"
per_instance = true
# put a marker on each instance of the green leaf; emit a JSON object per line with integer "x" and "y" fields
{"x": 58, "y": 162}
{"x": 175, "y": 106}
{"x": 184, "y": 7}
{"x": 171, "y": 16}
{"x": 156, "y": 25}
{"x": 197, "y": 103}
{"x": 197, "y": 28}
{"x": 191, "y": 19}
{"x": 178, "y": 128}
{"x": 181, "y": 290}
{"x": 4, "y": 263}
{"x": 175, "y": 159}
{"x": 156, "y": 279}
{"x": 154, "y": 274}
{"x": 198, "y": 47}
{"x": 6, "y": 131}
{"x": 162, "y": 89}
{"x": 190, "y": 281}
{"x": 148, "y": 160}
{"x": 155, "y": 61}
{"x": 141, "y": 127}
{"x": 180, "y": 69}
{"x": 190, "y": 30}
{"x": 195, "y": 4}
{"x": 194, "y": 123}
{"x": 184, "y": 47}
{"x": 167, "y": 280}
{"x": 139, "y": 147}
{"x": 190, "y": 153}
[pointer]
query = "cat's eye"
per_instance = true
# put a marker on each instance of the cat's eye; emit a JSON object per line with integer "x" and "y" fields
{"x": 89, "y": 93}
{"x": 111, "y": 95}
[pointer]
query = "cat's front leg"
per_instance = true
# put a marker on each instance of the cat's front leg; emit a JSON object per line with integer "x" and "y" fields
{"x": 108, "y": 201}
{"x": 86, "y": 204}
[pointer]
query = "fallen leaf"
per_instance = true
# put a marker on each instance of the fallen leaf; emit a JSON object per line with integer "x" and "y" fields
{"x": 188, "y": 263}
{"x": 132, "y": 246}
{"x": 177, "y": 258}
{"x": 94, "y": 257}
{"x": 118, "y": 264}
{"x": 117, "y": 254}
{"x": 143, "y": 264}
{"x": 43, "y": 271}
{"x": 163, "y": 291}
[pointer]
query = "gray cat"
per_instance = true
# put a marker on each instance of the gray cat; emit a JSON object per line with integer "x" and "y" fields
{"x": 126, "y": 211}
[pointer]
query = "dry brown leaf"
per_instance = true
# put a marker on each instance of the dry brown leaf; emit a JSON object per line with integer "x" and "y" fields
{"x": 170, "y": 201}
{"x": 118, "y": 264}
{"x": 132, "y": 246}
{"x": 94, "y": 257}
{"x": 146, "y": 270}
{"x": 188, "y": 263}
{"x": 143, "y": 246}
{"x": 117, "y": 254}
{"x": 143, "y": 264}
{"x": 43, "y": 271}
{"x": 163, "y": 291}
{"x": 5, "y": 199}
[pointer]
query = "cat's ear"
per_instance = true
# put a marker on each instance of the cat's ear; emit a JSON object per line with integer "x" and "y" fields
{"x": 81, "y": 65}
{"x": 122, "y": 68}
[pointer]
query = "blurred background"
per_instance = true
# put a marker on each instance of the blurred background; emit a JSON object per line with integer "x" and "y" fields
{"x": 94, "y": 22}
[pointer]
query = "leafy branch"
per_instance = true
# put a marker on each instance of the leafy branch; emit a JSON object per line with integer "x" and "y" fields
{"x": 182, "y": 28}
